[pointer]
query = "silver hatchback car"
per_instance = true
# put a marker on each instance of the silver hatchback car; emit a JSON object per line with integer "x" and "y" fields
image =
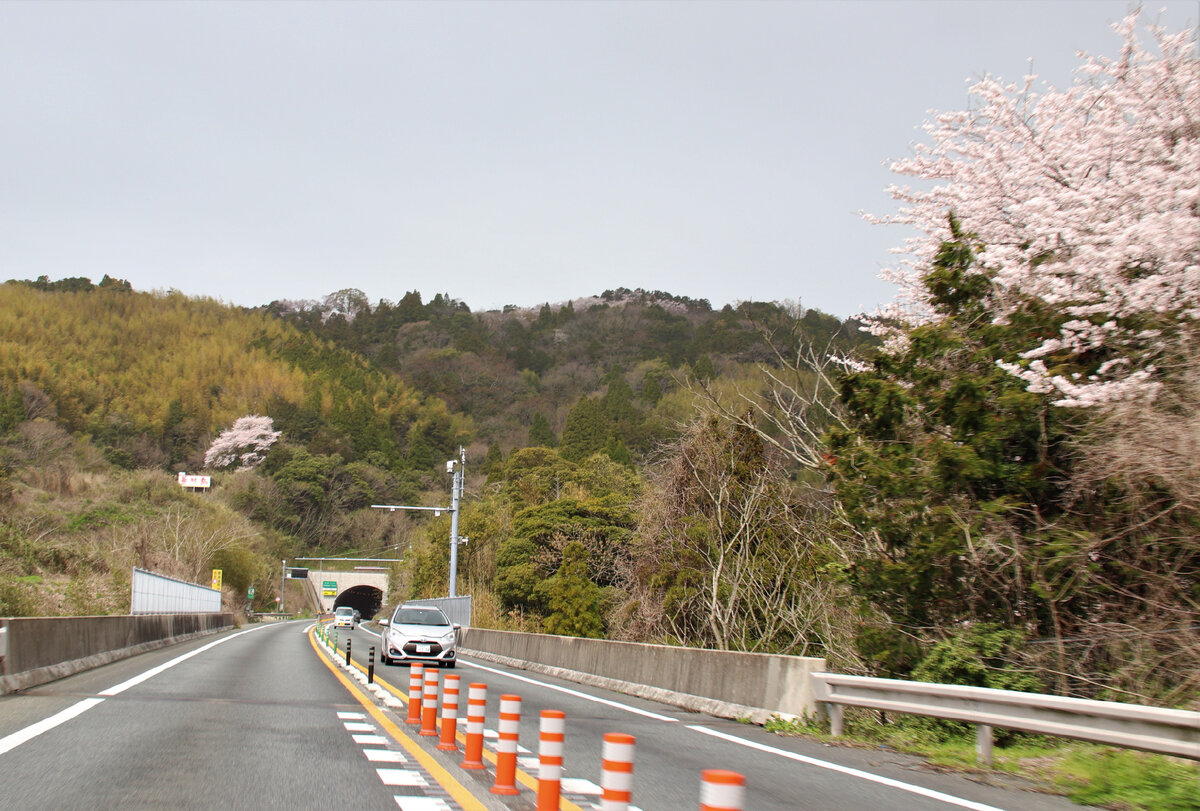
{"x": 418, "y": 633}
{"x": 345, "y": 617}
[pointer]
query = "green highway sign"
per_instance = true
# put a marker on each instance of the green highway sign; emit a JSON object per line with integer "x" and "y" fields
{"x": 250, "y": 593}
{"x": 329, "y": 584}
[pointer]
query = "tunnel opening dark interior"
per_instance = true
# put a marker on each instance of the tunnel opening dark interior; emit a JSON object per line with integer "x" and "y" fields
{"x": 367, "y": 600}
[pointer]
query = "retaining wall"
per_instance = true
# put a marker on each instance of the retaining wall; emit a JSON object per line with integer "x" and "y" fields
{"x": 36, "y": 650}
{"x": 723, "y": 683}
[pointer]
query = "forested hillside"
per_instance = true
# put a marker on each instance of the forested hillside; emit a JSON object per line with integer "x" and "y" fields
{"x": 519, "y": 373}
{"x": 106, "y": 392}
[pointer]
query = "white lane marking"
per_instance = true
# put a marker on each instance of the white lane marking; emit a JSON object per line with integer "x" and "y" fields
{"x": 352, "y": 716}
{"x": 358, "y": 726}
{"x": 154, "y": 671}
{"x": 607, "y": 702}
{"x": 875, "y": 778}
{"x": 385, "y": 756}
{"x": 370, "y": 740}
{"x": 33, "y": 730}
{"x": 421, "y": 804}
{"x": 15, "y": 739}
{"x": 579, "y": 785}
{"x": 401, "y": 777}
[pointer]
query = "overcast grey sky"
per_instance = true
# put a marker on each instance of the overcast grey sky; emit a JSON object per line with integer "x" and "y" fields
{"x": 501, "y": 152}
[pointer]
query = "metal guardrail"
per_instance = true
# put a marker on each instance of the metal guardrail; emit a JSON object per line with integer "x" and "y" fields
{"x": 257, "y": 617}
{"x": 1131, "y": 726}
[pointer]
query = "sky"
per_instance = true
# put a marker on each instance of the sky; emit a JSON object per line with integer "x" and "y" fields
{"x": 499, "y": 152}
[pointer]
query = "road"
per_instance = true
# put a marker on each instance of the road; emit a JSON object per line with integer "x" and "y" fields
{"x": 258, "y": 718}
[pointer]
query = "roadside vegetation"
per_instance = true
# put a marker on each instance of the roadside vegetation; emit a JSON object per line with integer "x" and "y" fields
{"x": 996, "y": 484}
{"x": 1088, "y": 774}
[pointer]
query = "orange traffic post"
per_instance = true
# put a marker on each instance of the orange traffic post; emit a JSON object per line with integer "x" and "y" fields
{"x": 551, "y": 733}
{"x": 429, "y": 703}
{"x": 415, "y": 674}
{"x": 476, "y": 707}
{"x": 449, "y": 714}
{"x": 506, "y": 748}
{"x": 616, "y": 772}
{"x": 722, "y": 790}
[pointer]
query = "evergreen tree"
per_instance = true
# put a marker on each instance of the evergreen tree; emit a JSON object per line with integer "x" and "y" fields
{"x": 575, "y": 602}
{"x": 586, "y": 431}
{"x": 541, "y": 435}
{"x": 651, "y": 388}
{"x": 493, "y": 463}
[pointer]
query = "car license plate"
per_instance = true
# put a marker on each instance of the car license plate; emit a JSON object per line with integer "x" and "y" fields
{"x": 424, "y": 648}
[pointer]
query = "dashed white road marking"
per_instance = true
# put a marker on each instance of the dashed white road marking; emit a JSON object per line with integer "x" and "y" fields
{"x": 847, "y": 770}
{"x": 401, "y": 777}
{"x": 422, "y": 804}
{"x": 370, "y": 740}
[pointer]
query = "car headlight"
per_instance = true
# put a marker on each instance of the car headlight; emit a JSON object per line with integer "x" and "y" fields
{"x": 448, "y": 637}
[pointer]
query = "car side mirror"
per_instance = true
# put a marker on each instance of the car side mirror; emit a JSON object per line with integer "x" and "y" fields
{"x": 457, "y": 627}
{"x": 383, "y": 623}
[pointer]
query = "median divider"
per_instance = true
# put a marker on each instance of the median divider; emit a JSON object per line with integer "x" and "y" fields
{"x": 476, "y": 707}
{"x": 551, "y": 735}
{"x": 506, "y": 747}
{"x": 616, "y": 771}
{"x": 449, "y": 713}
{"x": 720, "y": 790}
{"x": 429, "y": 704}
{"x": 415, "y": 689}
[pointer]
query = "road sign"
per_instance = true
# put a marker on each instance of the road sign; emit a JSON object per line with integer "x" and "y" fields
{"x": 216, "y": 579}
{"x": 329, "y": 584}
{"x": 250, "y": 593}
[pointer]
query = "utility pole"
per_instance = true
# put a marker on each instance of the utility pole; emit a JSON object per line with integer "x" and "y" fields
{"x": 282, "y": 584}
{"x": 458, "y": 468}
{"x": 456, "y": 489}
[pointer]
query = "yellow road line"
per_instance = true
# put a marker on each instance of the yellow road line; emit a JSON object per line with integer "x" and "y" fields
{"x": 524, "y": 778}
{"x": 455, "y": 789}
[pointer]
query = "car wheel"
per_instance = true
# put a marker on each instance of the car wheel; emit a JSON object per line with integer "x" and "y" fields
{"x": 450, "y": 665}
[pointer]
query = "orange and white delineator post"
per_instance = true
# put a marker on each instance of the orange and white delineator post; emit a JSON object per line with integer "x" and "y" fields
{"x": 506, "y": 748}
{"x": 616, "y": 772}
{"x": 447, "y": 742}
{"x": 722, "y": 790}
{"x": 415, "y": 675}
{"x": 476, "y": 707}
{"x": 429, "y": 703}
{"x": 550, "y": 759}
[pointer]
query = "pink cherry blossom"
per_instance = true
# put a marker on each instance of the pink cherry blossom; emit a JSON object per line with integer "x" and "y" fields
{"x": 243, "y": 445}
{"x": 1086, "y": 199}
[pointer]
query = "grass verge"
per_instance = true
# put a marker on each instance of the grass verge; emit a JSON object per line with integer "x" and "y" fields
{"x": 1119, "y": 779}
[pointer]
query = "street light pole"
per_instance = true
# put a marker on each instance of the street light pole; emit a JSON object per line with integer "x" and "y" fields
{"x": 458, "y": 468}
{"x": 455, "y": 495}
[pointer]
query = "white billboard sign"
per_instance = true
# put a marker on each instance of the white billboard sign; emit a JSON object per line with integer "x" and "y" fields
{"x": 203, "y": 482}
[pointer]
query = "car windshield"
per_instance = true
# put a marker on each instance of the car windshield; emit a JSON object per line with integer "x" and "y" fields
{"x": 420, "y": 616}
{"x": 344, "y": 611}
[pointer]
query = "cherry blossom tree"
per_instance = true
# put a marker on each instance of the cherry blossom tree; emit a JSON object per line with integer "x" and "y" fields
{"x": 1084, "y": 204}
{"x": 245, "y": 444}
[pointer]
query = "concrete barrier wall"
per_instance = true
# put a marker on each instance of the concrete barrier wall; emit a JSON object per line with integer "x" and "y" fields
{"x": 724, "y": 683}
{"x": 40, "y": 649}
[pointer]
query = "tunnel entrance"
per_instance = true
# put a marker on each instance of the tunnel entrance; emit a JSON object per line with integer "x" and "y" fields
{"x": 367, "y": 600}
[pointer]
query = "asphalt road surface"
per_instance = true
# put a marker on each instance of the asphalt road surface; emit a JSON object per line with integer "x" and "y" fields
{"x": 261, "y": 718}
